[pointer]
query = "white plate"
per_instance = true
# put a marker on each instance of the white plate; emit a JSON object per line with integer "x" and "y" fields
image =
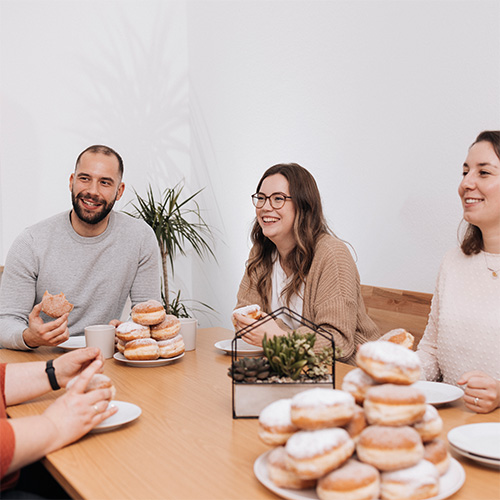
{"x": 449, "y": 483}
{"x": 437, "y": 393}
{"x": 242, "y": 347}
{"x": 477, "y": 458}
{"x": 478, "y": 439}
{"x": 73, "y": 343}
{"x": 127, "y": 412}
{"x": 145, "y": 363}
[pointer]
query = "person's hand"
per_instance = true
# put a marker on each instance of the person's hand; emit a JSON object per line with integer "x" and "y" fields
{"x": 76, "y": 412}
{"x": 255, "y": 337}
{"x": 115, "y": 322}
{"x": 51, "y": 333}
{"x": 482, "y": 392}
{"x": 69, "y": 365}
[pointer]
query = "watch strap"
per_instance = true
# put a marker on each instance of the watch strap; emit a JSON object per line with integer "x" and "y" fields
{"x": 51, "y": 373}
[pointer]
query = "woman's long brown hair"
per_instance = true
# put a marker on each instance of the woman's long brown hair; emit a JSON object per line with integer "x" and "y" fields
{"x": 308, "y": 226}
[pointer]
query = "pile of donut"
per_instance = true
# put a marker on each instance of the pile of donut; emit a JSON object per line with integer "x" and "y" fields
{"x": 151, "y": 333}
{"x": 375, "y": 438}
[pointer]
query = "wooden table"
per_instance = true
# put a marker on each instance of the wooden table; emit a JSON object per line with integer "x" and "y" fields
{"x": 186, "y": 445}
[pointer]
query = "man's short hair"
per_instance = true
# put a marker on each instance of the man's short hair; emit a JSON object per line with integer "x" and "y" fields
{"x": 104, "y": 150}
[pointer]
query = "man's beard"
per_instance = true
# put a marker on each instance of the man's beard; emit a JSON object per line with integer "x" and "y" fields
{"x": 93, "y": 217}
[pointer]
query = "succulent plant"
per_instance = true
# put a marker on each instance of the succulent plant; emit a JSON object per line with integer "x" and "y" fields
{"x": 249, "y": 369}
{"x": 293, "y": 355}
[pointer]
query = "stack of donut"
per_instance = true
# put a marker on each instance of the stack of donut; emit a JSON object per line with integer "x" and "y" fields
{"x": 151, "y": 334}
{"x": 375, "y": 438}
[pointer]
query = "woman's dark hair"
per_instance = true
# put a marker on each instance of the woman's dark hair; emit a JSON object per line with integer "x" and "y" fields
{"x": 308, "y": 226}
{"x": 472, "y": 241}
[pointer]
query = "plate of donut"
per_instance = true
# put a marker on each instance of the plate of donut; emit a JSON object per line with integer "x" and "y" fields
{"x": 242, "y": 347}
{"x": 145, "y": 363}
{"x": 127, "y": 412}
{"x": 76, "y": 342}
{"x": 438, "y": 393}
{"x": 449, "y": 483}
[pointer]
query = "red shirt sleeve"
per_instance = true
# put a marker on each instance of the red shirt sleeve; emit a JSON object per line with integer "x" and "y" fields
{"x": 7, "y": 438}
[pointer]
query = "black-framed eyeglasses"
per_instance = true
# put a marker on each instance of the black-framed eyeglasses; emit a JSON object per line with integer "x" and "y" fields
{"x": 277, "y": 200}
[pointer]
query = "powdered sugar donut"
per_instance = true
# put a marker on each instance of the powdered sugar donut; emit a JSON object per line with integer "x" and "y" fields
{"x": 171, "y": 347}
{"x": 390, "y": 404}
{"x": 167, "y": 329}
{"x": 252, "y": 311}
{"x": 357, "y": 423}
{"x": 275, "y": 423}
{"x": 148, "y": 313}
{"x": 120, "y": 345}
{"x": 431, "y": 424}
{"x": 129, "y": 330}
{"x": 281, "y": 474}
{"x": 142, "y": 349}
{"x": 388, "y": 362}
{"x": 399, "y": 336}
{"x": 98, "y": 381}
{"x": 357, "y": 382}
{"x": 413, "y": 483}
{"x": 436, "y": 452}
{"x": 390, "y": 448}
{"x": 312, "y": 454}
{"x": 352, "y": 481}
{"x": 320, "y": 408}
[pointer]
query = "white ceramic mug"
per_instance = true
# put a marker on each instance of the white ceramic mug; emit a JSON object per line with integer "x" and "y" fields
{"x": 103, "y": 337}
{"x": 188, "y": 332}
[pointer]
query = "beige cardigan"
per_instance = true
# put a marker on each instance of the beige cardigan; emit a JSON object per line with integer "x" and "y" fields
{"x": 332, "y": 298}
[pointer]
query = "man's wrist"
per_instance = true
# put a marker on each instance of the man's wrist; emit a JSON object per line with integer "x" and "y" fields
{"x": 26, "y": 341}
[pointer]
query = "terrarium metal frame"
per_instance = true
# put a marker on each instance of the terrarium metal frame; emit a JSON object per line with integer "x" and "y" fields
{"x": 251, "y": 388}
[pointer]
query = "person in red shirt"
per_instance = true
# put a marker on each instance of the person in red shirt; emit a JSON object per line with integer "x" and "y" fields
{"x": 68, "y": 418}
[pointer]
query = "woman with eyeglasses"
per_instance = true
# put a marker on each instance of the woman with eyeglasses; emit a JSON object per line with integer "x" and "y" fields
{"x": 297, "y": 262}
{"x": 461, "y": 343}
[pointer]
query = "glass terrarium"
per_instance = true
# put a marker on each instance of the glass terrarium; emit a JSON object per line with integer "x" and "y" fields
{"x": 286, "y": 366}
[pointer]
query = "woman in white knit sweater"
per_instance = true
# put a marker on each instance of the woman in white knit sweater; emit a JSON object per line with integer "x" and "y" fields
{"x": 461, "y": 344}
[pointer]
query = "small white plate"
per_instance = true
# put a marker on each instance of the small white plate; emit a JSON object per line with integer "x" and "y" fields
{"x": 242, "y": 347}
{"x": 73, "y": 343}
{"x": 127, "y": 412}
{"x": 477, "y": 458}
{"x": 146, "y": 362}
{"x": 437, "y": 393}
{"x": 477, "y": 439}
{"x": 449, "y": 483}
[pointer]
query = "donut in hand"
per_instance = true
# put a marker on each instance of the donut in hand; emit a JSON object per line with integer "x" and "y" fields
{"x": 55, "y": 305}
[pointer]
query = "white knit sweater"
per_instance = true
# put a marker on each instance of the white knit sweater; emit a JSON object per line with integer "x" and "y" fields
{"x": 463, "y": 332}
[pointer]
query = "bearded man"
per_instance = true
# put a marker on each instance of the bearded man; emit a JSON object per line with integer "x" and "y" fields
{"x": 94, "y": 255}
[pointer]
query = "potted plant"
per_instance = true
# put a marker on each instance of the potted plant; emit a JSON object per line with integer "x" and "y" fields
{"x": 289, "y": 365}
{"x": 176, "y": 224}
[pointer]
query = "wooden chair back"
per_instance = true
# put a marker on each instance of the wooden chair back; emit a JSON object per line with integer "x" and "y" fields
{"x": 391, "y": 308}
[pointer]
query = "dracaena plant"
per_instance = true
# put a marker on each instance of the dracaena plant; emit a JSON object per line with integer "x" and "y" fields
{"x": 177, "y": 224}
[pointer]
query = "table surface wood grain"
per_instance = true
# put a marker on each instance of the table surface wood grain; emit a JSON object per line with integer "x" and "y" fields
{"x": 185, "y": 444}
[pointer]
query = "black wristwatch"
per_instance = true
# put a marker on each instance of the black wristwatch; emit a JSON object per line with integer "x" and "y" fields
{"x": 51, "y": 373}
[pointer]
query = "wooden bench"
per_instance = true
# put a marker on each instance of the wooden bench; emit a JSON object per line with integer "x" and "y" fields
{"x": 391, "y": 308}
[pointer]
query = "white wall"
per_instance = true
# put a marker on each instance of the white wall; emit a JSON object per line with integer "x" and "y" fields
{"x": 378, "y": 99}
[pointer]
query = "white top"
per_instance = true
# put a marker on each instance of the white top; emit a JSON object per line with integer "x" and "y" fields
{"x": 279, "y": 282}
{"x": 463, "y": 332}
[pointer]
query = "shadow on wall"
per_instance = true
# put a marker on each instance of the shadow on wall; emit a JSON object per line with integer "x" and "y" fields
{"x": 135, "y": 90}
